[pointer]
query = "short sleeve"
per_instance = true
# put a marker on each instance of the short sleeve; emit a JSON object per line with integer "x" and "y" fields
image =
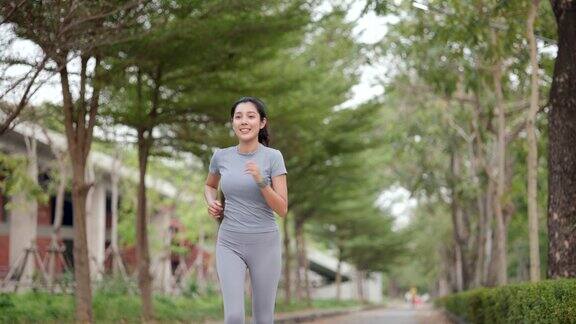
{"x": 214, "y": 166}
{"x": 277, "y": 164}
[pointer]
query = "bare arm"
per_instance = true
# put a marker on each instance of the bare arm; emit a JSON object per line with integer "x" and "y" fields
{"x": 276, "y": 196}
{"x": 210, "y": 195}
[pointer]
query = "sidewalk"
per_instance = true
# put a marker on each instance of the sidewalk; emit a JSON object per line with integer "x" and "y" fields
{"x": 314, "y": 314}
{"x": 310, "y": 314}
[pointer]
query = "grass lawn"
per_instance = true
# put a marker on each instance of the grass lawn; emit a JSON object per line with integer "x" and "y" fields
{"x": 114, "y": 307}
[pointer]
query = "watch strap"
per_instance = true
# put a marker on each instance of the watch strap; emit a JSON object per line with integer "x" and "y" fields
{"x": 262, "y": 183}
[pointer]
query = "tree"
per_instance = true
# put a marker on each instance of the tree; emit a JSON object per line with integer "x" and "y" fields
{"x": 561, "y": 149}
{"x": 339, "y": 169}
{"x": 76, "y": 30}
{"x": 471, "y": 55}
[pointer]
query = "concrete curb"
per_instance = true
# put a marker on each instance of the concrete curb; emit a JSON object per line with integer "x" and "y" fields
{"x": 317, "y": 314}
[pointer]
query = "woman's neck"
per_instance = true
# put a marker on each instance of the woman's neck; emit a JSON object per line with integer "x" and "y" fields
{"x": 248, "y": 147}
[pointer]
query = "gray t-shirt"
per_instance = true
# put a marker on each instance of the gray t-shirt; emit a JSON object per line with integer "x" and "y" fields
{"x": 246, "y": 209}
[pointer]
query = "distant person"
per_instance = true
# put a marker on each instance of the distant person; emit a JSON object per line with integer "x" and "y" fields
{"x": 413, "y": 296}
{"x": 252, "y": 177}
{"x": 408, "y": 297}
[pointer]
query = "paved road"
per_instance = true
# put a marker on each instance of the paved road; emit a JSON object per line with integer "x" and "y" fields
{"x": 395, "y": 314}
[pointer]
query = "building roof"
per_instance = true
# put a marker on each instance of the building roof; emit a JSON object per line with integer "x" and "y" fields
{"x": 326, "y": 265}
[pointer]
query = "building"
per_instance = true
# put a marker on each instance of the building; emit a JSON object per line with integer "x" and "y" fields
{"x": 29, "y": 224}
{"x": 323, "y": 269}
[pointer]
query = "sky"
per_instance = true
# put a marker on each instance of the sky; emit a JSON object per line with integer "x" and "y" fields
{"x": 370, "y": 29}
{"x": 397, "y": 202}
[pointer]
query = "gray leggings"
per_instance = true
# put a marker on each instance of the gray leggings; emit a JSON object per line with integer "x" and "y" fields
{"x": 261, "y": 254}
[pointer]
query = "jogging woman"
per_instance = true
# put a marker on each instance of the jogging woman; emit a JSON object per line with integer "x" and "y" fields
{"x": 252, "y": 177}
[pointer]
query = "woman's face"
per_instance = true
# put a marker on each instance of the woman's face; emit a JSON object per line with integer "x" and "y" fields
{"x": 246, "y": 121}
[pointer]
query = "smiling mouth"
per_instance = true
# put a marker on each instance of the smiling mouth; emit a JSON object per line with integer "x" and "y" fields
{"x": 244, "y": 130}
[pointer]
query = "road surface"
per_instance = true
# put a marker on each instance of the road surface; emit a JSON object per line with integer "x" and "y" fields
{"x": 395, "y": 314}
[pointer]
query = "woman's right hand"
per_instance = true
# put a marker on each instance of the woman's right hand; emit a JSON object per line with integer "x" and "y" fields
{"x": 215, "y": 209}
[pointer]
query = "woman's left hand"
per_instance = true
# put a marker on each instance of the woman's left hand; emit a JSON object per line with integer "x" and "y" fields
{"x": 252, "y": 168}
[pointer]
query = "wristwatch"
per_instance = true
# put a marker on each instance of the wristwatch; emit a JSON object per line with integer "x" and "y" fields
{"x": 262, "y": 183}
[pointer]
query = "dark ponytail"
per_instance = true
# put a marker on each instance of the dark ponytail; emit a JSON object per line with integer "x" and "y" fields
{"x": 263, "y": 135}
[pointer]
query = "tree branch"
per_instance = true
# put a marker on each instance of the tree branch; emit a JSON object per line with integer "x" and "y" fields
{"x": 94, "y": 103}
{"x": 24, "y": 99}
{"x": 102, "y": 15}
{"x": 7, "y": 15}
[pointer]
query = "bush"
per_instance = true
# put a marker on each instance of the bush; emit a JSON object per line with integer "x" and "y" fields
{"x": 551, "y": 301}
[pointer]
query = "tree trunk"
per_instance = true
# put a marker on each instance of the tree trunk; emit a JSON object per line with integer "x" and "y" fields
{"x": 299, "y": 261}
{"x": 457, "y": 224}
{"x": 306, "y": 267}
{"x": 360, "y": 285}
{"x": 562, "y": 151}
{"x": 488, "y": 220}
{"x": 81, "y": 263}
{"x": 339, "y": 275}
{"x": 142, "y": 248}
{"x": 478, "y": 165}
{"x": 117, "y": 265}
{"x": 79, "y": 139}
{"x": 443, "y": 285}
{"x": 480, "y": 241}
{"x": 302, "y": 262}
{"x": 58, "y": 216}
{"x": 533, "y": 149}
{"x": 458, "y": 271}
{"x": 287, "y": 256}
{"x": 501, "y": 237}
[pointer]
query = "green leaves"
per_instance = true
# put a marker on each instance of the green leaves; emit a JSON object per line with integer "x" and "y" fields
{"x": 14, "y": 179}
{"x": 440, "y": 103}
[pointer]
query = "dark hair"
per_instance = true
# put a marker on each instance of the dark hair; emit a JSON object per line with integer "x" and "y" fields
{"x": 263, "y": 135}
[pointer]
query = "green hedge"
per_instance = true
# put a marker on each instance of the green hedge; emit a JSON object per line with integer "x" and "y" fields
{"x": 551, "y": 301}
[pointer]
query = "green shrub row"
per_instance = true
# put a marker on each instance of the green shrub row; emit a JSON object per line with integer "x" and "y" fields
{"x": 550, "y": 301}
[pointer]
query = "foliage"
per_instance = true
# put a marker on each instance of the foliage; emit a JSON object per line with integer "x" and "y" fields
{"x": 428, "y": 237}
{"x": 14, "y": 179}
{"x": 550, "y": 301}
{"x": 440, "y": 103}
